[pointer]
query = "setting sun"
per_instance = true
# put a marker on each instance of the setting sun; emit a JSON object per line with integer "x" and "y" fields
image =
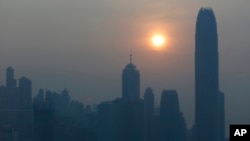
{"x": 158, "y": 40}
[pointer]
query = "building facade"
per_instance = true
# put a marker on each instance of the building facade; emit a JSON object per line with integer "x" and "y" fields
{"x": 207, "y": 116}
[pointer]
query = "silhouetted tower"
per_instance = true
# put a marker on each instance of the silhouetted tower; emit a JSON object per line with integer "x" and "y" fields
{"x": 169, "y": 103}
{"x": 25, "y": 92}
{"x": 172, "y": 123}
{"x": 130, "y": 108}
{"x": 206, "y": 77}
{"x": 149, "y": 113}
{"x": 130, "y": 82}
{"x": 10, "y": 81}
{"x": 149, "y": 102}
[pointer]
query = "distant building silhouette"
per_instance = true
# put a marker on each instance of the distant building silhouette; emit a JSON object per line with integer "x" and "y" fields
{"x": 16, "y": 107}
{"x": 57, "y": 118}
{"x": 172, "y": 123}
{"x": 149, "y": 102}
{"x": 130, "y": 108}
{"x": 43, "y": 119}
{"x": 10, "y": 81}
{"x": 130, "y": 82}
{"x": 208, "y": 123}
{"x": 25, "y": 92}
{"x": 149, "y": 114}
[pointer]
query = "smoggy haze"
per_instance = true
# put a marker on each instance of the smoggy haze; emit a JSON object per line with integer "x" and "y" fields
{"x": 83, "y": 45}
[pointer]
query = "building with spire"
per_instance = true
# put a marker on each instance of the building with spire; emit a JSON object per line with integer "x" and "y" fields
{"x": 130, "y": 82}
{"x": 130, "y": 108}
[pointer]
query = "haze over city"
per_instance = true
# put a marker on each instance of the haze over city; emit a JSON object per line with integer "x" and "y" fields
{"x": 83, "y": 46}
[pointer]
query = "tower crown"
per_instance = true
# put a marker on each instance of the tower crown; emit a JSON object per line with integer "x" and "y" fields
{"x": 130, "y": 66}
{"x": 206, "y": 22}
{"x": 206, "y": 11}
{"x": 206, "y": 38}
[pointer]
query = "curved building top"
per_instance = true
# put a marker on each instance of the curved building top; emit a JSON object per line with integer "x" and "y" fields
{"x": 206, "y": 38}
{"x": 205, "y": 13}
{"x": 206, "y": 21}
{"x": 130, "y": 66}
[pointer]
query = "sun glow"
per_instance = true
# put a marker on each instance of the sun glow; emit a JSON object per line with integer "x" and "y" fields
{"x": 158, "y": 41}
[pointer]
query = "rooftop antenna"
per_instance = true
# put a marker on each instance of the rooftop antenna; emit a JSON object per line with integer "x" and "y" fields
{"x": 130, "y": 55}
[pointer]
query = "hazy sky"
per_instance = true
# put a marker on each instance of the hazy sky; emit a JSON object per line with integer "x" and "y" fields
{"x": 83, "y": 45}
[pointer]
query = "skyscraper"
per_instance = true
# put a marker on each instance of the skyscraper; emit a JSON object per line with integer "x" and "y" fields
{"x": 10, "y": 81}
{"x": 130, "y": 82}
{"x": 206, "y": 78}
{"x": 130, "y": 108}
{"x": 15, "y": 107}
{"x": 172, "y": 123}
{"x": 25, "y": 92}
{"x": 149, "y": 114}
{"x": 149, "y": 102}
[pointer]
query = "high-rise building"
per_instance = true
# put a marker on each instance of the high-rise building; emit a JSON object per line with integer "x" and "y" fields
{"x": 149, "y": 114}
{"x": 15, "y": 106}
{"x": 130, "y": 108}
{"x": 206, "y": 78}
{"x": 25, "y": 92}
{"x": 130, "y": 82}
{"x": 172, "y": 123}
{"x": 149, "y": 102}
{"x": 10, "y": 81}
{"x": 169, "y": 103}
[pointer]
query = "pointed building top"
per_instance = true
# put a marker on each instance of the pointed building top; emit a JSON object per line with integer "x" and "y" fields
{"x": 130, "y": 57}
{"x": 130, "y": 65}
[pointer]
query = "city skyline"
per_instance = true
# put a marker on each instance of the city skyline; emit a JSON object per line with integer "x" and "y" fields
{"x": 68, "y": 63}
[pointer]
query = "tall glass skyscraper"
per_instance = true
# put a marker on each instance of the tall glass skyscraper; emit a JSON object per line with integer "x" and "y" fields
{"x": 208, "y": 123}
